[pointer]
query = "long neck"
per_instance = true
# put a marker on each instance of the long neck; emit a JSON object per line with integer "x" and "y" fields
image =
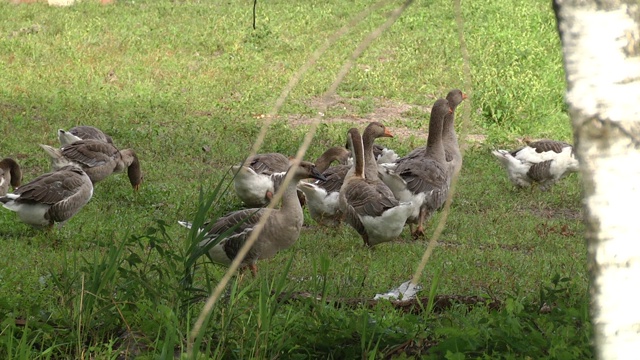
{"x": 370, "y": 164}
{"x": 359, "y": 154}
{"x": 326, "y": 159}
{"x": 434, "y": 142}
{"x": 290, "y": 201}
{"x": 449, "y": 137}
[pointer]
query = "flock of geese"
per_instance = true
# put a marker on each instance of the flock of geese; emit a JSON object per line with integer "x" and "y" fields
{"x": 372, "y": 189}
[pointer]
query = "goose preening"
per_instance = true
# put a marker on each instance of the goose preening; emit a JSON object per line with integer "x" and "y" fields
{"x": 52, "y": 197}
{"x": 422, "y": 178}
{"x": 322, "y": 195}
{"x": 367, "y": 204}
{"x": 83, "y": 132}
{"x": 543, "y": 162}
{"x": 280, "y": 231}
{"x": 98, "y": 159}
{"x": 10, "y": 174}
{"x": 261, "y": 175}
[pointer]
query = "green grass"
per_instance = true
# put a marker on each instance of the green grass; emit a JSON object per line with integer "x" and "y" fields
{"x": 170, "y": 79}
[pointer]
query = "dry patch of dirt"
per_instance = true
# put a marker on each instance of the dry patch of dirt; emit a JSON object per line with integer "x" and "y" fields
{"x": 391, "y": 113}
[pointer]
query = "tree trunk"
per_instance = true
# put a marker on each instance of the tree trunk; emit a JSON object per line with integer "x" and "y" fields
{"x": 601, "y": 47}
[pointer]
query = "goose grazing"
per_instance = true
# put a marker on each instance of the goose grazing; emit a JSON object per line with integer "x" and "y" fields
{"x": 82, "y": 133}
{"x": 10, "y": 173}
{"x": 367, "y": 204}
{"x": 543, "y": 162}
{"x": 422, "y": 178}
{"x": 322, "y": 196}
{"x": 98, "y": 159}
{"x": 280, "y": 231}
{"x": 256, "y": 182}
{"x": 50, "y": 198}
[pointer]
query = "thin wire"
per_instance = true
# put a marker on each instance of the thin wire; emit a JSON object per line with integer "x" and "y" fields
{"x": 301, "y": 151}
{"x": 466, "y": 113}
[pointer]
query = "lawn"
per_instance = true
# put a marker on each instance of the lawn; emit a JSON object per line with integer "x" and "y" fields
{"x": 189, "y": 84}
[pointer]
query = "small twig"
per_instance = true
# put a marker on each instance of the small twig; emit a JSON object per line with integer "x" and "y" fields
{"x": 255, "y": 2}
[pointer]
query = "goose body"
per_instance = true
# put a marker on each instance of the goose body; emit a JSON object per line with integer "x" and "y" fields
{"x": 98, "y": 159}
{"x": 543, "y": 162}
{"x": 50, "y": 198}
{"x": 82, "y": 133}
{"x": 10, "y": 174}
{"x": 422, "y": 178}
{"x": 256, "y": 182}
{"x": 323, "y": 195}
{"x": 367, "y": 203}
{"x": 280, "y": 231}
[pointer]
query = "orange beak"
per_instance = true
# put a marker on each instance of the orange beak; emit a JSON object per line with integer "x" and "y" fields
{"x": 387, "y": 133}
{"x": 464, "y": 96}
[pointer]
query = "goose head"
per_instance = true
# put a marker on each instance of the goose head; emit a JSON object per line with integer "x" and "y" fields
{"x": 376, "y": 130}
{"x": 455, "y": 97}
{"x": 134, "y": 172}
{"x": 306, "y": 170}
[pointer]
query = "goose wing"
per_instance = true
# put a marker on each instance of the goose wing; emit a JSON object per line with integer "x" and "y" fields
{"x": 53, "y": 187}
{"x": 90, "y": 153}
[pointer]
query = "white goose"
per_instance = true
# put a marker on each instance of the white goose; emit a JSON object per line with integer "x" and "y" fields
{"x": 50, "y": 198}
{"x": 544, "y": 162}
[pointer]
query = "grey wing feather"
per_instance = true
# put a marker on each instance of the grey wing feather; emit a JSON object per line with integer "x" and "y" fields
{"x": 368, "y": 198}
{"x": 335, "y": 178}
{"x": 540, "y": 171}
{"x": 52, "y": 187}
{"x": 269, "y": 163}
{"x": 90, "y": 153}
{"x": 234, "y": 241}
{"x": 548, "y": 145}
{"x": 90, "y": 132}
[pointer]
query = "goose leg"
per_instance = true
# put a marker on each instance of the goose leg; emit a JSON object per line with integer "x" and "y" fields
{"x": 254, "y": 269}
{"x": 365, "y": 238}
{"x": 420, "y": 230}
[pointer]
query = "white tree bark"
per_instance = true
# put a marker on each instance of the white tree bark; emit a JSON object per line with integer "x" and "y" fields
{"x": 600, "y": 40}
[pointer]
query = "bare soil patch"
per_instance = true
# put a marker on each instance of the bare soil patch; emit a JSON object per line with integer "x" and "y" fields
{"x": 389, "y": 112}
